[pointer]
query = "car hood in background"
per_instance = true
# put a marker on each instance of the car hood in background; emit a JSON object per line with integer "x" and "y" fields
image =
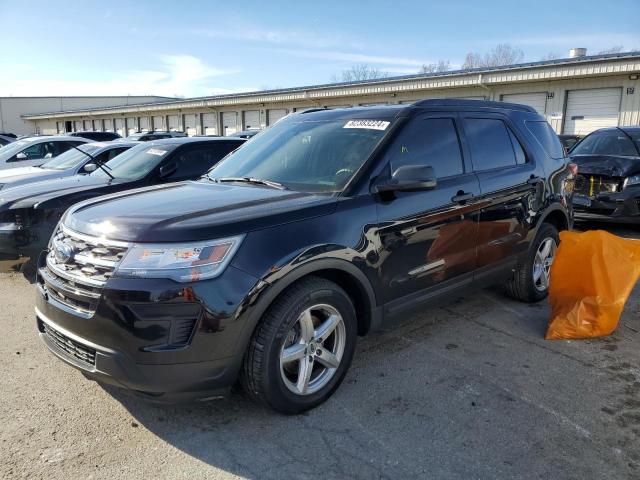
{"x": 19, "y": 176}
{"x": 192, "y": 211}
{"x": 607, "y": 165}
{"x": 31, "y": 194}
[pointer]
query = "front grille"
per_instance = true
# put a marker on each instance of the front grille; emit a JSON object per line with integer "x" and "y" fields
{"x": 89, "y": 260}
{"x": 592, "y": 185}
{"x": 76, "y": 350}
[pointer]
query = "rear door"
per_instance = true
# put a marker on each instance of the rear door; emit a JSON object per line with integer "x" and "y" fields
{"x": 428, "y": 237}
{"x": 511, "y": 186}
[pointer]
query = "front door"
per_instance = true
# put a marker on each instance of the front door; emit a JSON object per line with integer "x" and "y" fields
{"x": 427, "y": 237}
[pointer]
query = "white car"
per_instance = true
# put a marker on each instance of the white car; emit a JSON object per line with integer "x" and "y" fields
{"x": 34, "y": 151}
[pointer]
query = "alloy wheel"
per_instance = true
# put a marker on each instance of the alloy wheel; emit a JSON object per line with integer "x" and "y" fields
{"x": 542, "y": 263}
{"x": 313, "y": 349}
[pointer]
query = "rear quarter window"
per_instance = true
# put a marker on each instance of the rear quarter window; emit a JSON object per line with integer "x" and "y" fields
{"x": 546, "y": 137}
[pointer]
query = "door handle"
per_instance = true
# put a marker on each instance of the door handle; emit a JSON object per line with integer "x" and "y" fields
{"x": 462, "y": 197}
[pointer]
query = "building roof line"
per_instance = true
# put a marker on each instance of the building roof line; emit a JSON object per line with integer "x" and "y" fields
{"x": 338, "y": 85}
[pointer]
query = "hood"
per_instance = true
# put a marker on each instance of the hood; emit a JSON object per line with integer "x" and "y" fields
{"x": 31, "y": 194}
{"x": 607, "y": 165}
{"x": 193, "y": 211}
{"x": 19, "y": 176}
{"x": 19, "y": 171}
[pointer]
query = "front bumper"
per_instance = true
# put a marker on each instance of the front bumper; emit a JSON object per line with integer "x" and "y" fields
{"x": 623, "y": 205}
{"x": 126, "y": 341}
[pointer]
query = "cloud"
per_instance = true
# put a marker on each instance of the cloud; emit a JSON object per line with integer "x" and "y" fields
{"x": 279, "y": 37}
{"x": 177, "y": 75}
{"x": 352, "y": 57}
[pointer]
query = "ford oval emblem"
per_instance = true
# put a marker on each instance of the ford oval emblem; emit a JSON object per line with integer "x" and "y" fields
{"x": 63, "y": 252}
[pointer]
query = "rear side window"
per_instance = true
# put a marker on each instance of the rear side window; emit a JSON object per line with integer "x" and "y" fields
{"x": 490, "y": 143}
{"x": 521, "y": 158}
{"x": 430, "y": 142}
{"x": 546, "y": 137}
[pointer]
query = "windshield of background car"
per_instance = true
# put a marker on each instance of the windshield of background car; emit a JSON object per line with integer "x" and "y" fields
{"x": 606, "y": 143}
{"x": 136, "y": 162}
{"x": 71, "y": 158}
{"x": 311, "y": 156}
{"x": 10, "y": 150}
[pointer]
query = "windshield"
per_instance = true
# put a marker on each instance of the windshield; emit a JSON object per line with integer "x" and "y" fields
{"x": 614, "y": 142}
{"x": 136, "y": 162}
{"x": 71, "y": 158}
{"x": 11, "y": 149}
{"x": 313, "y": 156}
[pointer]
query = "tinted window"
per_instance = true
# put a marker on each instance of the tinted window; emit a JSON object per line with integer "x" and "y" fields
{"x": 70, "y": 158}
{"x": 433, "y": 142}
{"x": 195, "y": 161}
{"x": 546, "y": 137}
{"x": 34, "y": 151}
{"x": 612, "y": 142}
{"x": 490, "y": 143}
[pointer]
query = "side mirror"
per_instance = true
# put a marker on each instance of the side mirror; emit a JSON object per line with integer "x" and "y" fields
{"x": 409, "y": 178}
{"x": 168, "y": 169}
{"x": 90, "y": 167}
{"x": 21, "y": 156}
{"x": 49, "y": 155}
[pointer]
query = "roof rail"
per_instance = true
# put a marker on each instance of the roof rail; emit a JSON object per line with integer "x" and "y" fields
{"x": 312, "y": 109}
{"x": 453, "y": 102}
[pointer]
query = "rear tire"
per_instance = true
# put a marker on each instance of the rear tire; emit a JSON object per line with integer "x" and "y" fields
{"x": 530, "y": 281}
{"x": 302, "y": 347}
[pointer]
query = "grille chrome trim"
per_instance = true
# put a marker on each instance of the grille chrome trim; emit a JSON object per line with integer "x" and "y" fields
{"x": 93, "y": 240}
{"x": 95, "y": 259}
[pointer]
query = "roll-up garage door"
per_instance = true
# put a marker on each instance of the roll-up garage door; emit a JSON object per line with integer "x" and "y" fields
{"x": 174, "y": 123}
{"x": 209, "y": 124}
{"x": 120, "y": 128}
{"x": 274, "y": 115}
{"x": 131, "y": 125}
{"x": 190, "y": 124}
{"x": 77, "y": 126}
{"x": 108, "y": 124}
{"x": 588, "y": 110}
{"x": 86, "y": 125}
{"x": 229, "y": 123}
{"x": 536, "y": 100}
{"x": 97, "y": 125}
{"x": 158, "y": 123}
{"x": 251, "y": 119}
{"x": 60, "y": 127}
{"x": 144, "y": 124}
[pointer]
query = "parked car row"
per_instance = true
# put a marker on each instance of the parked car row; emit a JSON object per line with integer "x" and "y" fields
{"x": 326, "y": 226}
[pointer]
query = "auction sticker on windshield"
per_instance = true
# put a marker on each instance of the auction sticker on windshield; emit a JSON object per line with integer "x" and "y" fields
{"x": 156, "y": 151}
{"x": 368, "y": 124}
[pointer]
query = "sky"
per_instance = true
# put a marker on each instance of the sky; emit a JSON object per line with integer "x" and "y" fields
{"x": 198, "y": 48}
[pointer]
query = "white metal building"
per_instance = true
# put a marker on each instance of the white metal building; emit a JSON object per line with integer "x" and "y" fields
{"x": 13, "y": 109}
{"x": 576, "y": 95}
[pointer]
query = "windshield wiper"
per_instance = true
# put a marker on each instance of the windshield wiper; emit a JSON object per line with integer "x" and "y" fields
{"x": 256, "y": 181}
{"x": 99, "y": 163}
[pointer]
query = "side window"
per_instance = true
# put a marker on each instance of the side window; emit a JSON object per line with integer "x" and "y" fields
{"x": 194, "y": 162}
{"x": 34, "y": 151}
{"x": 431, "y": 142}
{"x": 114, "y": 152}
{"x": 521, "y": 158}
{"x": 61, "y": 147}
{"x": 490, "y": 143}
{"x": 546, "y": 136}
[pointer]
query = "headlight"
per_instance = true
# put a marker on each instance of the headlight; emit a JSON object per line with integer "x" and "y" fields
{"x": 632, "y": 180}
{"x": 187, "y": 262}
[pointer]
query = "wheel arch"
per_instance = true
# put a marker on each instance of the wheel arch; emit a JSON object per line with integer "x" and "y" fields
{"x": 349, "y": 277}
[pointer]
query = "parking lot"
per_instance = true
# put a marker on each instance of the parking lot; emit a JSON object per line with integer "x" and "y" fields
{"x": 468, "y": 390}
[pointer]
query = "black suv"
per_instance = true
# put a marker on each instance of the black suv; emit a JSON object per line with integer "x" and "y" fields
{"x": 322, "y": 228}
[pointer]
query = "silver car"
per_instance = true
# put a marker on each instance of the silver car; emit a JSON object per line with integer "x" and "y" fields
{"x": 34, "y": 151}
{"x": 76, "y": 161}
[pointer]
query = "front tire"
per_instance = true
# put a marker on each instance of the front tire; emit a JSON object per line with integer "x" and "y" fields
{"x": 302, "y": 347}
{"x": 530, "y": 281}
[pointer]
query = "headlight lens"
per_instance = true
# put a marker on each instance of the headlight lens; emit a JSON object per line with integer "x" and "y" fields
{"x": 180, "y": 262}
{"x": 632, "y": 180}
